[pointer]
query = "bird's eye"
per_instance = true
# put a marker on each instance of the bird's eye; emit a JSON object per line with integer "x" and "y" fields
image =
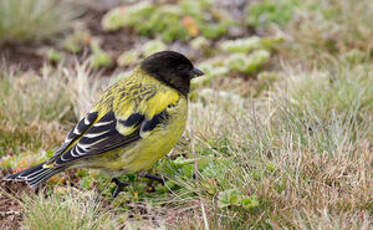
{"x": 180, "y": 68}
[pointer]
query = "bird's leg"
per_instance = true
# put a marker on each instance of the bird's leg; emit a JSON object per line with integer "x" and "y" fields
{"x": 120, "y": 185}
{"x": 154, "y": 177}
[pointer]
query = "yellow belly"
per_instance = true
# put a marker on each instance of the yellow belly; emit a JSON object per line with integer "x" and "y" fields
{"x": 145, "y": 157}
{"x": 149, "y": 150}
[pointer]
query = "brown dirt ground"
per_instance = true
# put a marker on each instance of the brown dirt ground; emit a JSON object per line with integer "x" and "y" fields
{"x": 10, "y": 191}
{"x": 10, "y": 209}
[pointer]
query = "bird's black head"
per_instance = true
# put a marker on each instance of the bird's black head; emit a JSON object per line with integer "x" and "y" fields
{"x": 172, "y": 68}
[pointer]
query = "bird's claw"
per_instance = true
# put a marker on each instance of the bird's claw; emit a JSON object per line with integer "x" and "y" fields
{"x": 120, "y": 185}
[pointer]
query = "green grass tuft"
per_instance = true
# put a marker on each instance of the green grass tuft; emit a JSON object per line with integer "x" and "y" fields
{"x": 33, "y": 20}
{"x": 31, "y": 98}
{"x": 69, "y": 210}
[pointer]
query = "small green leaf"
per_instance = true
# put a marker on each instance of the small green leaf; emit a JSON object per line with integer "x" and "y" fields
{"x": 249, "y": 202}
{"x": 229, "y": 197}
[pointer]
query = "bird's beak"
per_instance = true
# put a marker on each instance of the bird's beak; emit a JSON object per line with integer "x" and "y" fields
{"x": 197, "y": 72}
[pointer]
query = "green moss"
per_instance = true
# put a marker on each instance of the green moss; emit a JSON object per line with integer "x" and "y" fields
{"x": 264, "y": 13}
{"x": 99, "y": 57}
{"x": 233, "y": 197}
{"x": 114, "y": 19}
{"x": 54, "y": 55}
{"x": 245, "y": 45}
{"x": 128, "y": 57}
{"x": 152, "y": 47}
{"x": 214, "y": 30}
{"x": 248, "y": 63}
{"x": 200, "y": 43}
{"x": 181, "y": 21}
{"x": 127, "y": 16}
{"x": 75, "y": 42}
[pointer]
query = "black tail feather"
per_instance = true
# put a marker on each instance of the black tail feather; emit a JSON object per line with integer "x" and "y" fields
{"x": 35, "y": 176}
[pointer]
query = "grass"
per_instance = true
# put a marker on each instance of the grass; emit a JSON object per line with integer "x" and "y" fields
{"x": 36, "y": 110}
{"x": 325, "y": 29}
{"x": 31, "y": 98}
{"x": 33, "y": 20}
{"x": 290, "y": 148}
{"x": 32, "y": 109}
{"x": 67, "y": 210}
{"x": 298, "y": 156}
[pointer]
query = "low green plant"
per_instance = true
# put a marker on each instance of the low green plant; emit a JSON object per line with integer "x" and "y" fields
{"x": 245, "y": 45}
{"x": 99, "y": 57}
{"x": 232, "y": 197}
{"x": 128, "y": 57}
{"x": 224, "y": 65}
{"x": 52, "y": 55}
{"x": 75, "y": 41}
{"x": 134, "y": 55}
{"x": 152, "y": 47}
{"x": 245, "y": 56}
{"x": 181, "y": 21}
{"x": 267, "y": 12}
{"x": 248, "y": 63}
{"x": 249, "y": 44}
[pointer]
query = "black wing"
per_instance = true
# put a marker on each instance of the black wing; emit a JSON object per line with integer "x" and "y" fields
{"x": 76, "y": 132}
{"x": 103, "y": 136}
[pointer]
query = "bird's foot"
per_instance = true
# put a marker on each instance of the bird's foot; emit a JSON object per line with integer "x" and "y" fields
{"x": 120, "y": 185}
{"x": 156, "y": 178}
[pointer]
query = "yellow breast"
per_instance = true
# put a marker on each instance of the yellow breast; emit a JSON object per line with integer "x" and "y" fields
{"x": 158, "y": 143}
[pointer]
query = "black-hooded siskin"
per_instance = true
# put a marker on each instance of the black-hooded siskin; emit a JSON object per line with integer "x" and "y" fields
{"x": 136, "y": 122}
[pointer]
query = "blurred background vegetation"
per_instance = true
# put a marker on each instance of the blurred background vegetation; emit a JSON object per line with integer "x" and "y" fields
{"x": 280, "y": 130}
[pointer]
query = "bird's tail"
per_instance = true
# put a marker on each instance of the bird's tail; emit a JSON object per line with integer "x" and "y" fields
{"x": 35, "y": 176}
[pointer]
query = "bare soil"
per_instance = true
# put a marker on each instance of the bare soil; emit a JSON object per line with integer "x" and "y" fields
{"x": 10, "y": 208}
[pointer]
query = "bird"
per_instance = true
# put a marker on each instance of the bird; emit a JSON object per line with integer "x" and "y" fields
{"x": 136, "y": 122}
